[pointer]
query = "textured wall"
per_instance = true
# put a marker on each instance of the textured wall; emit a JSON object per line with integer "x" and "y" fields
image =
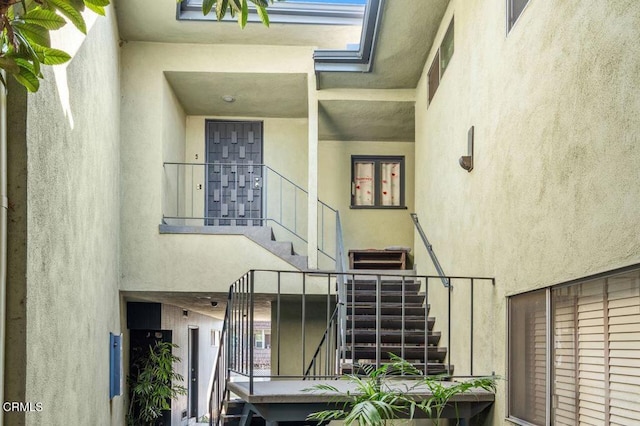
{"x": 554, "y": 192}
{"x": 365, "y": 228}
{"x": 172, "y": 319}
{"x": 152, "y": 261}
{"x": 72, "y": 232}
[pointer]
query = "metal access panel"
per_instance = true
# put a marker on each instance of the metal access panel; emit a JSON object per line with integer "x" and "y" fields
{"x": 234, "y": 173}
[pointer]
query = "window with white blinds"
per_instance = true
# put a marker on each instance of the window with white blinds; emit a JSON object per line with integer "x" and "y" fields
{"x": 595, "y": 352}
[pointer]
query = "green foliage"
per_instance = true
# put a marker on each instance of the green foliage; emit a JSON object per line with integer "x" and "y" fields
{"x": 151, "y": 384}
{"x": 25, "y": 42}
{"x": 237, "y": 9}
{"x": 376, "y": 399}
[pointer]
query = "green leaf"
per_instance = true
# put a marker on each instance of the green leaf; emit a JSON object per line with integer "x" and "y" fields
{"x": 97, "y": 9}
{"x": 28, "y": 79}
{"x": 54, "y": 56}
{"x": 77, "y": 5}
{"x": 101, "y": 3}
{"x": 9, "y": 65}
{"x": 260, "y": 3}
{"x": 207, "y": 5}
{"x": 221, "y": 9}
{"x": 70, "y": 12}
{"x": 44, "y": 18}
{"x": 236, "y": 5}
{"x": 34, "y": 34}
{"x": 262, "y": 13}
{"x": 27, "y": 52}
{"x": 245, "y": 14}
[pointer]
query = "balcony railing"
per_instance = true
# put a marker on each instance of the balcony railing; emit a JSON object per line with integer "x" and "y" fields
{"x": 231, "y": 194}
{"x": 307, "y": 340}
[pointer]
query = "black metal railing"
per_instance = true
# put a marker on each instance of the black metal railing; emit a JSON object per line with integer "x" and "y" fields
{"x": 304, "y": 308}
{"x": 429, "y": 247}
{"x": 324, "y": 361}
{"x": 221, "y": 369}
{"x": 235, "y": 194}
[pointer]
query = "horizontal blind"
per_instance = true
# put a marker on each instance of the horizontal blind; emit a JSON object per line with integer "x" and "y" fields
{"x": 591, "y": 362}
{"x": 564, "y": 358}
{"x": 624, "y": 350}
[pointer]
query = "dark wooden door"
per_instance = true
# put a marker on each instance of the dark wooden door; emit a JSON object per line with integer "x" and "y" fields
{"x": 234, "y": 173}
{"x": 193, "y": 372}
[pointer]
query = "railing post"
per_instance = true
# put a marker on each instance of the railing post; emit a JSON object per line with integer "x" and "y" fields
{"x": 378, "y": 318}
{"x": 426, "y": 308}
{"x": 278, "y": 323}
{"x": 251, "y": 344}
{"x": 471, "y": 336}
{"x": 449, "y": 328}
{"x": 304, "y": 316}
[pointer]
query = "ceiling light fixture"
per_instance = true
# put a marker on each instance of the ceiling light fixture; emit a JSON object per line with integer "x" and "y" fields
{"x": 228, "y": 98}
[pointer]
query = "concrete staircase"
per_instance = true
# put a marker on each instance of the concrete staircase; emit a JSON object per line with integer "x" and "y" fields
{"x": 261, "y": 235}
{"x": 407, "y": 332}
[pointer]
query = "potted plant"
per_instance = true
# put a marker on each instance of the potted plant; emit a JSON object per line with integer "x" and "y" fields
{"x": 151, "y": 385}
{"x": 375, "y": 400}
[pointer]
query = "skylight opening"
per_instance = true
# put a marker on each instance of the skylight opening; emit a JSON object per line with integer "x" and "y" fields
{"x": 315, "y": 12}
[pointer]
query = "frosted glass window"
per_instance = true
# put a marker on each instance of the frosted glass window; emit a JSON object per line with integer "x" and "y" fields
{"x": 377, "y": 182}
{"x": 364, "y": 184}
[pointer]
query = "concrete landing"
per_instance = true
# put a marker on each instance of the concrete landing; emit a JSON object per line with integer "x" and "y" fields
{"x": 287, "y": 400}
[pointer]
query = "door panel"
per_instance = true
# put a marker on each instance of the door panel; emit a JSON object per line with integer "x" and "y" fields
{"x": 193, "y": 372}
{"x": 234, "y": 176}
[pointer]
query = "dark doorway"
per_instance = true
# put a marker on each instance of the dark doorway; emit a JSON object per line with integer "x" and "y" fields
{"x": 140, "y": 342}
{"x": 193, "y": 372}
{"x": 234, "y": 173}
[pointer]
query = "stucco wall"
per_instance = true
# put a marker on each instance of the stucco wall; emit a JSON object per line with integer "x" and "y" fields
{"x": 173, "y": 319}
{"x": 365, "y": 228}
{"x": 554, "y": 192}
{"x": 72, "y": 211}
{"x": 152, "y": 261}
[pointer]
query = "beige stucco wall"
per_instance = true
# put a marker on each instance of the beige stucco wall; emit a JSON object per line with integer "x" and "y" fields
{"x": 365, "y": 228}
{"x": 294, "y": 356}
{"x": 152, "y": 261}
{"x": 72, "y": 255}
{"x": 173, "y": 319}
{"x": 554, "y": 192}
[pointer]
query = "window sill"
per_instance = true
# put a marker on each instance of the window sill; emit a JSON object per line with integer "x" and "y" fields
{"x": 519, "y": 422}
{"x": 378, "y": 207}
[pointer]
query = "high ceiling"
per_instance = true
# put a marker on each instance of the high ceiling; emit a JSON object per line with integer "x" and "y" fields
{"x": 405, "y": 35}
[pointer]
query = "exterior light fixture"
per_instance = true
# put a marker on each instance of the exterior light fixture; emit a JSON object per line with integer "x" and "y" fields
{"x": 228, "y": 98}
{"x": 466, "y": 161}
{"x": 185, "y": 313}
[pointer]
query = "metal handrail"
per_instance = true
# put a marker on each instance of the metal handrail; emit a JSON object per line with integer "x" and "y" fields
{"x": 269, "y": 174}
{"x": 341, "y": 267}
{"x": 429, "y": 247}
{"x": 219, "y": 386}
{"x": 240, "y": 327}
{"x": 318, "y": 352}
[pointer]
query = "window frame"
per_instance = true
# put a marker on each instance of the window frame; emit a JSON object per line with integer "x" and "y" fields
{"x": 436, "y": 63}
{"x": 378, "y": 160}
{"x": 285, "y": 13}
{"x": 550, "y": 319}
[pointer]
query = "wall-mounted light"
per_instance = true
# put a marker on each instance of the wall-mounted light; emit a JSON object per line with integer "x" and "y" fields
{"x": 466, "y": 161}
{"x": 228, "y": 98}
{"x": 185, "y": 313}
